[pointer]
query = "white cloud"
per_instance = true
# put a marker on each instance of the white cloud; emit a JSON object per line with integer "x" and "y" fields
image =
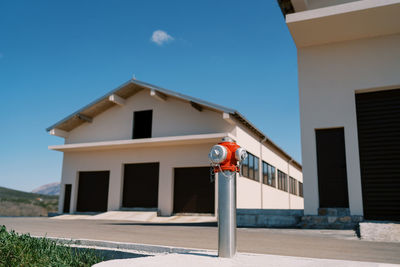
{"x": 161, "y": 37}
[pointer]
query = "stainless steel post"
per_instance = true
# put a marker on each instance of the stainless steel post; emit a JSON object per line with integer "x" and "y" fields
{"x": 226, "y": 214}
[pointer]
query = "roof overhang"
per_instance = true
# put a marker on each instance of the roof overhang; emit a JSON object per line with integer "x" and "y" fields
{"x": 349, "y": 21}
{"x": 117, "y": 97}
{"x": 286, "y": 6}
{"x": 144, "y": 142}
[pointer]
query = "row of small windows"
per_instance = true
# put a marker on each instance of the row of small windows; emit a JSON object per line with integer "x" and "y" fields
{"x": 250, "y": 169}
{"x": 142, "y": 128}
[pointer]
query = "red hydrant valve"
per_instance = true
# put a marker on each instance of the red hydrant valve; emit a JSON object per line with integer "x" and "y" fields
{"x": 227, "y": 156}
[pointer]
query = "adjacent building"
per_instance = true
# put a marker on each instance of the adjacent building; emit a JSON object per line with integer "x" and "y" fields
{"x": 349, "y": 83}
{"x": 142, "y": 147}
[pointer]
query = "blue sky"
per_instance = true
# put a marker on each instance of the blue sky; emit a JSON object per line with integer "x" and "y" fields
{"x": 57, "y": 56}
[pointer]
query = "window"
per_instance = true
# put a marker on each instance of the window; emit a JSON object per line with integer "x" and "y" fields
{"x": 245, "y": 167}
{"x": 142, "y": 122}
{"x": 268, "y": 174}
{"x": 282, "y": 181}
{"x": 256, "y": 169}
{"x": 301, "y": 189}
{"x": 292, "y": 186}
{"x": 250, "y": 167}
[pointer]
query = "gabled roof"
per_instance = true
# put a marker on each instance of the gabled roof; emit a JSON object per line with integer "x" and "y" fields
{"x": 132, "y": 87}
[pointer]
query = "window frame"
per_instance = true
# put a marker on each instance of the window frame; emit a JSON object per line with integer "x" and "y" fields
{"x": 292, "y": 186}
{"x": 269, "y": 174}
{"x": 301, "y": 189}
{"x": 251, "y": 167}
{"x": 136, "y": 134}
{"x": 284, "y": 186}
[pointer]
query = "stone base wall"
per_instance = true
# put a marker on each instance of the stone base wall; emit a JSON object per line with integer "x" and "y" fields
{"x": 268, "y": 218}
{"x": 327, "y": 218}
{"x": 331, "y": 218}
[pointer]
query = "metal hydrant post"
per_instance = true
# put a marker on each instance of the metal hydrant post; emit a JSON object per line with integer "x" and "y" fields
{"x": 226, "y": 158}
{"x": 226, "y": 214}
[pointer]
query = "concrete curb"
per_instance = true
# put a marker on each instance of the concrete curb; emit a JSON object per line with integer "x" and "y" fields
{"x": 380, "y": 231}
{"x": 119, "y": 251}
{"x": 147, "y": 248}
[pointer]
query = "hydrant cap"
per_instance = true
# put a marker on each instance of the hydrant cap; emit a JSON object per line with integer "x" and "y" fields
{"x": 240, "y": 154}
{"x": 228, "y": 139}
{"x": 218, "y": 154}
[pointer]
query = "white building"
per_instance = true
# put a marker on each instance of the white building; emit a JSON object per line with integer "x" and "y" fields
{"x": 349, "y": 82}
{"x": 144, "y": 147}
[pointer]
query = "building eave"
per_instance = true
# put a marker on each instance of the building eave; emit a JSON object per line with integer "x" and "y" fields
{"x": 286, "y": 7}
{"x": 124, "y": 91}
{"x": 144, "y": 142}
{"x": 344, "y": 22}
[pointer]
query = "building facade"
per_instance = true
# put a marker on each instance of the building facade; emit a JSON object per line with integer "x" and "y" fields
{"x": 145, "y": 147}
{"x": 349, "y": 84}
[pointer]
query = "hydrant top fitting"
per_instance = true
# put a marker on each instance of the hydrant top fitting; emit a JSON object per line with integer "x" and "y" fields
{"x": 226, "y": 155}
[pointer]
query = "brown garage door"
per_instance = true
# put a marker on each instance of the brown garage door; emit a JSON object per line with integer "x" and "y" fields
{"x": 93, "y": 191}
{"x": 141, "y": 185}
{"x": 331, "y": 163}
{"x": 67, "y": 197}
{"x": 194, "y": 192}
{"x": 378, "y": 121}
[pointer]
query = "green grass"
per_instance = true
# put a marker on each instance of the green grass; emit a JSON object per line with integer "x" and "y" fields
{"x": 24, "y": 250}
{"x": 18, "y": 203}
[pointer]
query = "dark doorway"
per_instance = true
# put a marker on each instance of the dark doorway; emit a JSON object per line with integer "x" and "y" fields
{"x": 332, "y": 174}
{"x": 378, "y": 123}
{"x": 93, "y": 191}
{"x": 142, "y": 124}
{"x": 141, "y": 185}
{"x": 67, "y": 197}
{"x": 194, "y": 192}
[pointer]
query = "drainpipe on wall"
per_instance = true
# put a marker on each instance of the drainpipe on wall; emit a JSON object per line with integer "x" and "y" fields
{"x": 260, "y": 169}
{"x": 288, "y": 178}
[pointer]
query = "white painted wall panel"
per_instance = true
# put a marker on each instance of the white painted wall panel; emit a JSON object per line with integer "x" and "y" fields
{"x": 248, "y": 194}
{"x": 169, "y": 158}
{"x": 274, "y": 198}
{"x": 329, "y": 76}
{"x": 170, "y": 118}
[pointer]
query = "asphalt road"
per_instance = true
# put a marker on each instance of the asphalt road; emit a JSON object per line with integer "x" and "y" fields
{"x": 329, "y": 244}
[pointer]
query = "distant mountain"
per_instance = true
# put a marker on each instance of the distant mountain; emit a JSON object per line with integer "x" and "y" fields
{"x": 52, "y": 189}
{"x": 19, "y": 203}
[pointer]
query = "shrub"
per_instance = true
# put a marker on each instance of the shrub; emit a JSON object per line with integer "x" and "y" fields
{"x": 24, "y": 250}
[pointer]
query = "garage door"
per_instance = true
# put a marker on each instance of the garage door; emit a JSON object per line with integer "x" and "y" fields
{"x": 93, "y": 191}
{"x": 332, "y": 173}
{"x": 194, "y": 192}
{"x": 378, "y": 118}
{"x": 141, "y": 185}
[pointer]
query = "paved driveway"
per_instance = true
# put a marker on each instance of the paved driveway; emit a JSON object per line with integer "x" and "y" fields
{"x": 330, "y": 244}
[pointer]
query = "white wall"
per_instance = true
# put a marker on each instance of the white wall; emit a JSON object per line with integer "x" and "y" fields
{"x": 168, "y": 157}
{"x": 250, "y": 194}
{"x": 329, "y": 76}
{"x": 268, "y": 197}
{"x": 170, "y": 118}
